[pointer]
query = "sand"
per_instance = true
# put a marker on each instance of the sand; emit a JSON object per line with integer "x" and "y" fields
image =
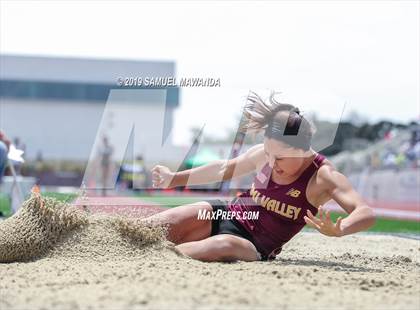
{"x": 107, "y": 262}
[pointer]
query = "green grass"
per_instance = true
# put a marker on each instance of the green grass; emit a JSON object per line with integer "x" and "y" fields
{"x": 5, "y": 205}
{"x": 6, "y": 210}
{"x": 390, "y": 225}
{"x": 60, "y": 196}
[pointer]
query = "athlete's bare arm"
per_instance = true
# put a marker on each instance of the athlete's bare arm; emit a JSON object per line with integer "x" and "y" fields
{"x": 216, "y": 171}
{"x": 338, "y": 188}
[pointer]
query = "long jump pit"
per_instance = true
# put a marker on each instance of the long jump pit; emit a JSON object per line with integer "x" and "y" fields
{"x": 55, "y": 255}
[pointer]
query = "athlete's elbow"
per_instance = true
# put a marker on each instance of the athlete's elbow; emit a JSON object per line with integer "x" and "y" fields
{"x": 224, "y": 171}
{"x": 225, "y": 176}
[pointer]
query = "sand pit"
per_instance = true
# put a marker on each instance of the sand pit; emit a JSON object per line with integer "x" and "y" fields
{"x": 107, "y": 262}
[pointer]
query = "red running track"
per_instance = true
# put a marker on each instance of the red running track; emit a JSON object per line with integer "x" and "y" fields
{"x": 117, "y": 205}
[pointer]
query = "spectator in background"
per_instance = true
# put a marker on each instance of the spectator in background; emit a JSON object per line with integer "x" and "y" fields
{"x": 4, "y": 150}
{"x": 415, "y": 135}
{"x": 389, "y": 160}
{"x": 413, "y": 151}
{"x": 105, "y": 153}
{"x": 375, "y": 160}
{"x": 20, "y": 146}
{"x": 133, "y": 174}
{"x": 400, "y": 160}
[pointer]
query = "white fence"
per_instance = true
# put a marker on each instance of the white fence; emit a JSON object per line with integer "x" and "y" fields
{"x": 388, "y": 185}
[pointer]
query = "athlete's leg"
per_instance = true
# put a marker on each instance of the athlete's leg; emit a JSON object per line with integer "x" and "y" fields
{"x": 223, "y": 247}
{"x": 183, "y": 222}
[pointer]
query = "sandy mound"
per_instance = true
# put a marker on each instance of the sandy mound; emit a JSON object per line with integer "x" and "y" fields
{"x": 36, "y": 228}
{"x": 46, "y": 227}
{"x": 107, "y": 262}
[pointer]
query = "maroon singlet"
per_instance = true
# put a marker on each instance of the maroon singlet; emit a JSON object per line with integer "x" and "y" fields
{"x": 281, "y": 208}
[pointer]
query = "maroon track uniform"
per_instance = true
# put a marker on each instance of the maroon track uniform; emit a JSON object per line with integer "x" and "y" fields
{"x": 281, "y": 209}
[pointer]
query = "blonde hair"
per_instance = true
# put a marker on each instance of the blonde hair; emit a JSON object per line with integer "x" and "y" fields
{"x": 279, "y": 120}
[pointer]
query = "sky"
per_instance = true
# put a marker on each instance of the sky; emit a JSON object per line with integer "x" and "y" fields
{"x": 321, "y": 55}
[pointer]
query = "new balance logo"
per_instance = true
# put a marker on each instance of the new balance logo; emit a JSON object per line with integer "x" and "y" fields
{"x": 293, "y": 192}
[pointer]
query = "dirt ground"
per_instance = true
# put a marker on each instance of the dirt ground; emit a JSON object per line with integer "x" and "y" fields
{"x": 107, "y": 263}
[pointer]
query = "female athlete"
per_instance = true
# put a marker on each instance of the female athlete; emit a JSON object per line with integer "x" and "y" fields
{"x": 292, "y": 183}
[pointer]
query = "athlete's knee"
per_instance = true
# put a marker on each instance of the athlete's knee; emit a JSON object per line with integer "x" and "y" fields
{"x": 223, "y": 242}
{"x": 226, "y": 247}
{"x": 231, "y": 248}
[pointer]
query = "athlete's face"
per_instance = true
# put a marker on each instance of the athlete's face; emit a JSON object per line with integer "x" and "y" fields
{"x": 284, "y": 159}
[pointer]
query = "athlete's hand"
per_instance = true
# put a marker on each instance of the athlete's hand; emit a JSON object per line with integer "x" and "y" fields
{"x": 324, "y": 224}
{"x": 161, "y": 176}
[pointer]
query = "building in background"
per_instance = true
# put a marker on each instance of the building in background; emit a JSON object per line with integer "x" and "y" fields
{"x": 55, "y": 105}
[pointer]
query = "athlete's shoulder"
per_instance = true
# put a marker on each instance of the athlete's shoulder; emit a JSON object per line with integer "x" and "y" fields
{"x": 245, "y": 162}
{"x": 326, "y": 168}
{"x": 256, "y": 154}
{"x": 257, "y": 148}
{"x": 255, "y": 151}
{"x": 324, "y": 163}
{"x": 328, "y": 175}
